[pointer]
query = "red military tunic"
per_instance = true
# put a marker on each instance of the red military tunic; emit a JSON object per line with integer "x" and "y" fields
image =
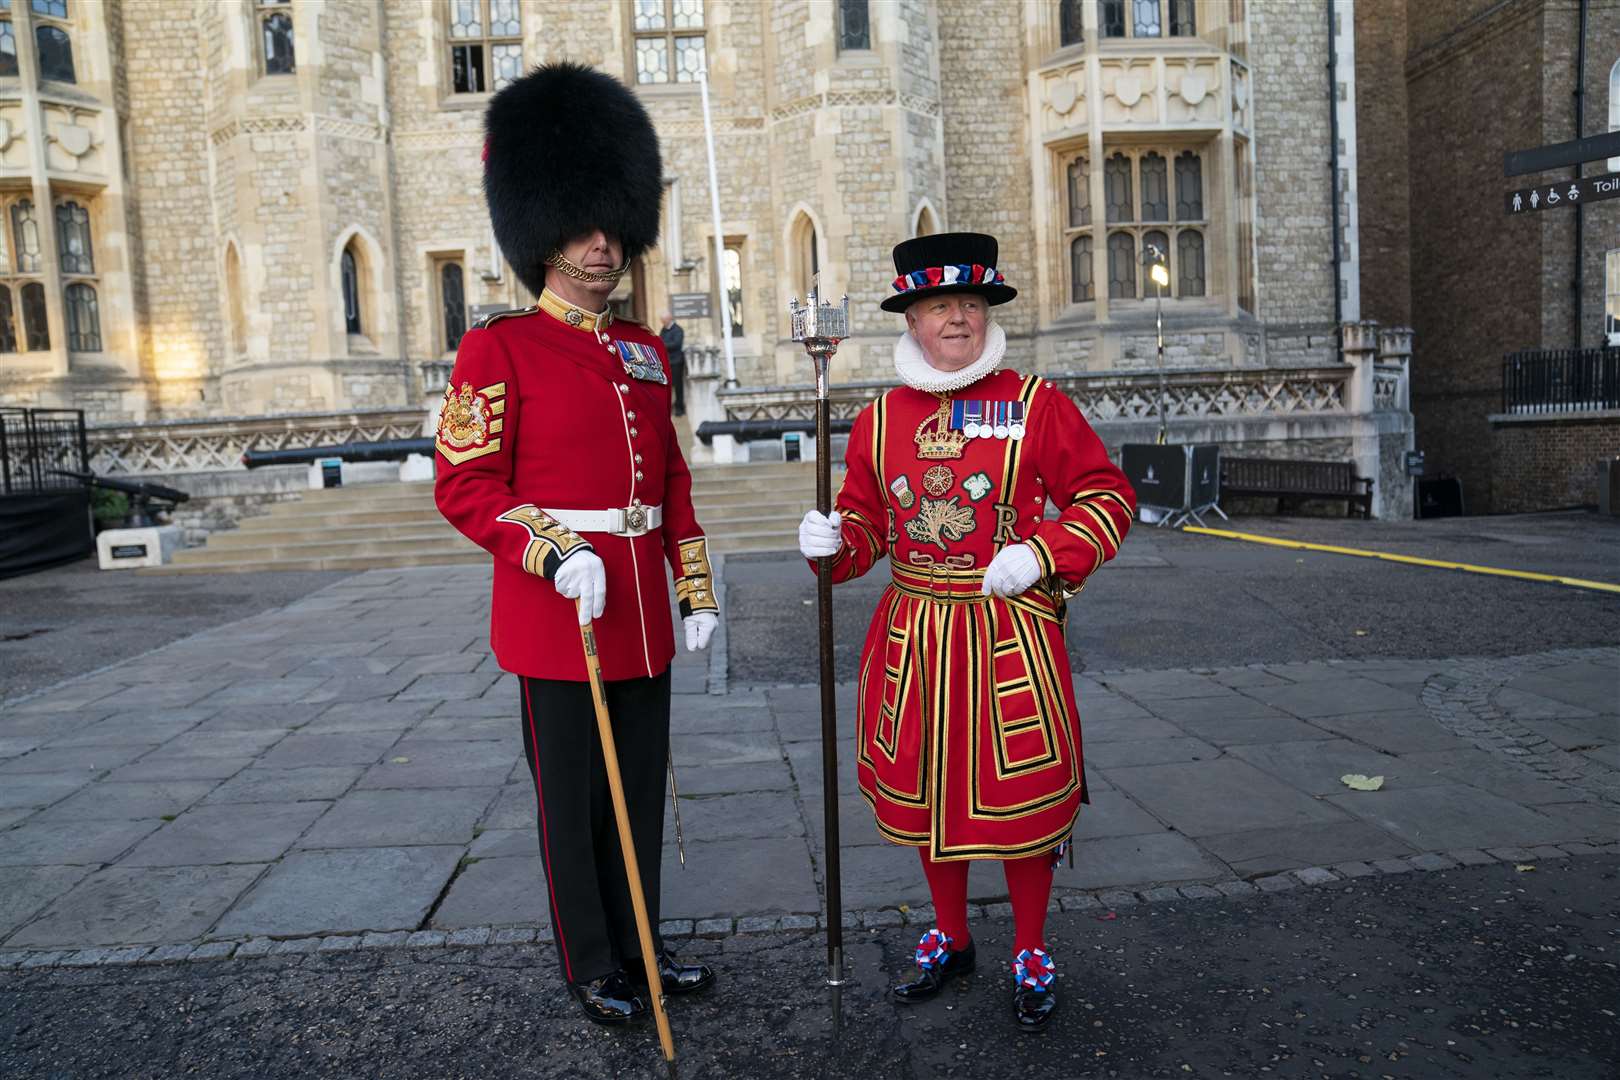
{"x": 543, "y": 415}
{"x": 968, "y": 738}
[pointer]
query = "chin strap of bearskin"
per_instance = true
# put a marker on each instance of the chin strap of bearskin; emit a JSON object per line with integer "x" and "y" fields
{"x": 579, "y": 273}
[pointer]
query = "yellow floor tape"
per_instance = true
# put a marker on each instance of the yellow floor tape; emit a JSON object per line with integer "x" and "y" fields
{"x": 1410, "y": 560}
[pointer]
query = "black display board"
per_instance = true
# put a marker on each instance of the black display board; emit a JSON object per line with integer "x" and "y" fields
{"x": 37, "y": 531}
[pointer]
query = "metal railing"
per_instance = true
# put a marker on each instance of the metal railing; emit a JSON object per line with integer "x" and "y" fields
{"x": 35, "y": 445}
{"x": 1561, "y": 380}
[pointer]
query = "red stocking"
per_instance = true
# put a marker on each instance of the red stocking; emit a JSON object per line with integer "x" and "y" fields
{"x": 1029, "y": 887}
{"x": 947, "y": 882}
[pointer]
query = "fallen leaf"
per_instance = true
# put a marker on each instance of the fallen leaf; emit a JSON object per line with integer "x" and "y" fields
{"x": 1525, "y": 868}
{"x": 1107, "y": 916}
{"x": 1357, "y": 782}
{"x": 1360, "y": 633}
{"x": 400, "y": 760}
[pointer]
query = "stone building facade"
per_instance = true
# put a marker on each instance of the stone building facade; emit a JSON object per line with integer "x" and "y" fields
{"x": 1483, "y": 77}
{"x": 286, "y": 212}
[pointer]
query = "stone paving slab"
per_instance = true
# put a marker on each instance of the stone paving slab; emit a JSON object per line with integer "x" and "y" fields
{"x": 122, "y": 905}
{"x": 320, "y": 892}
{"x": 273, "y": 746}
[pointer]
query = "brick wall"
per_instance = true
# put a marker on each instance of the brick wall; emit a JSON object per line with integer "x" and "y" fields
{"x": 1463, "y": 248}
{"x": 1549, "y": 464}
{"x": 1382, "y": 165}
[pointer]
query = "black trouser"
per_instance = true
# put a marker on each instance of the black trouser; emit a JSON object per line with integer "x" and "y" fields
{"x": 677, "y": 380}
{"x": 592, "y": 918}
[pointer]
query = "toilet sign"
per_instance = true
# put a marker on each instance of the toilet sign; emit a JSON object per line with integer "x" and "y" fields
{"x": 1564, "y": 193}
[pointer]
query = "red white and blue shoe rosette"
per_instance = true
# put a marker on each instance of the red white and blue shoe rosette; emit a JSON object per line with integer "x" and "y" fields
{"x": 931, "y": 949}
{"x": 1033, "y": 968}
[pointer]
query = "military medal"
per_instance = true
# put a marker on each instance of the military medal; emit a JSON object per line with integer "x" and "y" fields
{"x": 641, "y": 361}
{"x": 1015, "y": 425}
{"x": 1001, "y": 419}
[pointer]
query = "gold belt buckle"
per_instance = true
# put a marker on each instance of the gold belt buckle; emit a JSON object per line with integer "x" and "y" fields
{"x": 635, "y": 519}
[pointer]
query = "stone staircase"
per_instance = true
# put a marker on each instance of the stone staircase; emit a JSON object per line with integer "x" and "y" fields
{"x": 753, "y": 507}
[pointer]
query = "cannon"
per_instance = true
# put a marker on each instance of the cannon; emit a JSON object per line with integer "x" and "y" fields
{"x": 743, "y": 430}
{"x": 385, "y": 450}
{"x": 145, "y": 498}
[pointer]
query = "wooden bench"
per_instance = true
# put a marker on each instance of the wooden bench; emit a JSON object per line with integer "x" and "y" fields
{"x": 1292, "y": 482}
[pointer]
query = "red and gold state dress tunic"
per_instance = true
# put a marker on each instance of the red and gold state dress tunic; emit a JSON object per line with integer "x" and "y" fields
{"x": 968, "y": 738}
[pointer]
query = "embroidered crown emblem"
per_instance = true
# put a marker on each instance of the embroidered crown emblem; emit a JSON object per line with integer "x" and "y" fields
{"x": 935, "y": 439}
{"x": 464, "y": 421}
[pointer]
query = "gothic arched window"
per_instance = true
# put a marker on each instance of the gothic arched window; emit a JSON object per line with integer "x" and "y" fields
{"x": 350, "y": 272}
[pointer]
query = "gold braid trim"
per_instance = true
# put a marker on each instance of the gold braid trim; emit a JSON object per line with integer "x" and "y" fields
{"x": 694, "y": 588}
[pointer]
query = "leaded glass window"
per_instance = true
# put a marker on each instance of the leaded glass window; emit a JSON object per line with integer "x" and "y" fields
{"x": 8, "y": 322}
{"x": 1121, "y": 266}
{"x": 1112, "y": 17}
{"x": 1069, "y": 28}
{"x": 1145, "y": 18}
{"x": 73, "y": 239}
{"x": 55, "y": 50}
{"x": 1190, "y": 262}
{"x": 1189, "y": 187}
{"x": 35, "y": 326}
{"x": 1155, "y": 249}
{"x": 1183, "y": 20}
{"x": 486, "y": 45}
{"x": 1117, "y": 188}
{"x": 1081, "y": 288}
{"x": 350, "y": 273}
{"x": 276, "y": 36}
{"x": 453, "y": 300}
{"x": 668, "y": 41}
{"x": 854, "y": 25}
{"x": 56, "y": 9}
{"x": 83, "y": 318}
{"x": 1155, "y": 188}
{"x": 25, "y": 235}
{"x": 734, "y": 289}
{"x": 1079, "y": 193}
{"x": 8, "y": 49}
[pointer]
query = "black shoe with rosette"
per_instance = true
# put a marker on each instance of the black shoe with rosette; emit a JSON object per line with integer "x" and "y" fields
{"x": 1034, "y": 995}
{"x": 937, "y": 964}
{"x": 609, "y": 1000}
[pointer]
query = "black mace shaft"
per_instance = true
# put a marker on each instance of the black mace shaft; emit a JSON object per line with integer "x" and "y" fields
{"x": 829, "y": 707}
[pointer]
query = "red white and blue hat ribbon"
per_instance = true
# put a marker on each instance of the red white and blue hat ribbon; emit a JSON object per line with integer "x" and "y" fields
{"x": 932, "y": 948}
{"x": 937, "y": 276}
{"x": 1033, "y": 968}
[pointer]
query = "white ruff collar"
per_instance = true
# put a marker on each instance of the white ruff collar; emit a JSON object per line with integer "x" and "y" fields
{"x": 916, "y": 372}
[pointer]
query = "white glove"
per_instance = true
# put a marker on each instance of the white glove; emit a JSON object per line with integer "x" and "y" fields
{"x": 698, "y": 629}
{"x": 1012, "y": 571}
{"x": 582, "y": 577}
{"x": 820, "y": 535}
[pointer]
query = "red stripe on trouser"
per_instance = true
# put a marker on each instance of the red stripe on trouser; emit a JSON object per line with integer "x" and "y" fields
{"x": 545, "y": 841}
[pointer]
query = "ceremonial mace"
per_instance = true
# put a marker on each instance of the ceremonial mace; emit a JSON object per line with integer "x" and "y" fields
{"x": 821, "y": 327}
{"x": 632, "y": 872}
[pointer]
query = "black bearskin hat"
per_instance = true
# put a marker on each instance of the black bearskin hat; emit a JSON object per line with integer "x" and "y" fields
{"x": 568, "y": 150}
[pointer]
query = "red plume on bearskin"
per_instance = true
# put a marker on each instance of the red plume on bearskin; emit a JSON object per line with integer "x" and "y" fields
{"x": 569, "y": 149}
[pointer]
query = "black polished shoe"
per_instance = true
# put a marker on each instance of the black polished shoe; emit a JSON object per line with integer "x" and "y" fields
{"x": 677, "y": 978}
{"x": 937, "y": 965}
{"x": 1034, "y": 989}
{"x": 609, "y": 1000}
{"x": 1033, "y": 1008}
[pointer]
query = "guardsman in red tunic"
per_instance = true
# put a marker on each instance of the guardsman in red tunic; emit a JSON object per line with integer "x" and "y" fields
{"x": 556, "y": 454}
{"x": 968, "y": 739}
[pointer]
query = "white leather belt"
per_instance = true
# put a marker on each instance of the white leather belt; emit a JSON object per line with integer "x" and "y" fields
{"x": 628, "y": 521}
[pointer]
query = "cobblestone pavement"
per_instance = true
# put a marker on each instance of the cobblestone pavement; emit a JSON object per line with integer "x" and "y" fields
{"x": 1496, "y": 972}
{"x": 344, "y": 773}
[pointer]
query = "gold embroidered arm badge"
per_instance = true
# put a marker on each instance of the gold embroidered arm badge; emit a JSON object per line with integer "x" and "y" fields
{"x": 939, "y": 520}
{"x": 694, "y": 588}
{"x": 470, "y": 422}
{"x": 550, "y": 542}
